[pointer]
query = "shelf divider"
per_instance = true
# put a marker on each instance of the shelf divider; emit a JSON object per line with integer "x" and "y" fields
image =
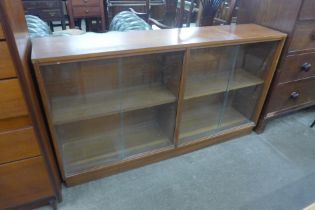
{"x": 83, "y": 107}
{"x": 202, "y": 86}
{"x": 198, "y": 121}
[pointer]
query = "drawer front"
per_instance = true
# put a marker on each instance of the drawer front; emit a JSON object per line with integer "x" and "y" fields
{"x": 17, "y": 145}
{"x": 12, "y": 103}
{"x": 291, "y": 95}
{"x": 30, "y": 5}
{"x": 303, "y": 37}
{"x": 23, "y": 182}
{"x": 14, "y": 123}
{"x": 86, "y": 2}
{"x": 1, "y": 32}
{"x": 86, "y": 11}
{"x": 45, "y": 13}
{"x": 298, "y": 67}
{"x": 7, "y": 69}
{"x": 307, "y": 11}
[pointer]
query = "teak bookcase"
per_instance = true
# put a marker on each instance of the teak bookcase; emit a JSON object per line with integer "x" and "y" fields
{"x": 120, "y": 100}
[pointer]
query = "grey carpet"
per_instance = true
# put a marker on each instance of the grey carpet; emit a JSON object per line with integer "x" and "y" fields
{"x": 274, "y": 170}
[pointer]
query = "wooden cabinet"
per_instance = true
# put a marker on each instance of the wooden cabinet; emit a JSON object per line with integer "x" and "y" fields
{"x": 87, "y": 9}
{"x": 295, "y": 74}
{"x": 47, "y": 10}
{"x": 28, "y": 173}
{"x": 123, "y": 102}
{"x": 158, "y": 8}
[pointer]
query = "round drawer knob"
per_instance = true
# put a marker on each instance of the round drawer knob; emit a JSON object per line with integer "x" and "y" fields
{"x": 85, "y": 1}
{"x": 86, "y": 11}
{"x": 295, "y": 95}
{"x": 306, "y": 67}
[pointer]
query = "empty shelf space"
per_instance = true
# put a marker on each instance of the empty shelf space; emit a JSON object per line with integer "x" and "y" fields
{"x": 207, "y": 119}
{"x": 84, "y": 154}
{"x": 82, "y": 107}
{"x": 208, "y": 85}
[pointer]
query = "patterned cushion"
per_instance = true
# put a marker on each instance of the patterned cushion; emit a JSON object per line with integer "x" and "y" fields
{"x": 128, "y": 21}
{"x": 37, "y": 27}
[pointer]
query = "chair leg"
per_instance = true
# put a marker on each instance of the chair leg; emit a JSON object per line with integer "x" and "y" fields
{"x": 313, "y": 124}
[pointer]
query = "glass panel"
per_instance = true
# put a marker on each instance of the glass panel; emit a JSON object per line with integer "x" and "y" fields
{"x": 252, "y": 63}
{"x": 109, "y": 109}
{"x": 208, "y": 74}
{"x": 223, "y": 87}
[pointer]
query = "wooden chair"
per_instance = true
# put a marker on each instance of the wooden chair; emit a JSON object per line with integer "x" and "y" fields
{"x": 216, "y": 12}
{"x": 186, "y": 10}
{"x": 226, "y": 13}
{"x": 184, "y": 17}
{"x": 179, "y": 17}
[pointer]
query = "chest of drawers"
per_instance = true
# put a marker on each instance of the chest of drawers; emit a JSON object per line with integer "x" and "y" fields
{"x": 294, "y": 83}
{"x": 28, "y": 175}
{"x": 78, "y": 9}
{"x": 47, "y": 10}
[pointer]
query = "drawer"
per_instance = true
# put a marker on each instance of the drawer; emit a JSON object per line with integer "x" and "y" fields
{"x": 30, "y": 5}
{"x": 7, "y": 69}
{"x": 14, "y": 123}
{"x": 291, "y": 95}
{"x": 12, "y": 103}
{"x": 307, "y": 11}
{"x": 297, "y": 67}
{"x": 23, "y": 182}
{"x": 86, "y": 11}
{"x": 1, "y": 32}
{"x": 18, "y": 144}
{"x": 303, "y": 37}
{"x": 85, "y": 2}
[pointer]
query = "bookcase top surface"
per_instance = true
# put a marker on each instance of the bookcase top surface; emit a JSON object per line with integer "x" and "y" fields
{"x": 93, "y": 45}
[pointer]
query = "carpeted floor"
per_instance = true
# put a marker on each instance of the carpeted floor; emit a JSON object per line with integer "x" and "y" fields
{"x": 274, "y": 170}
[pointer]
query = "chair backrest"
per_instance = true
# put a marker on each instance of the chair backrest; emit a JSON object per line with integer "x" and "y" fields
{"x": 207, "y": 11}
{"x": 226, "y": 12}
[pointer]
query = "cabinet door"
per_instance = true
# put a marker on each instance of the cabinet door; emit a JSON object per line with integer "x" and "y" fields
{"x": 246, "y": 84}
{"x": 208, "y": 73}
{"x": 103, "y": 111}
{"x": 223, "y": 87}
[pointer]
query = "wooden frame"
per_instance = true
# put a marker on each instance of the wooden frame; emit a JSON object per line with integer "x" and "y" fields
{"x": 16, "y": 35}
{"x": 244, "y": 39}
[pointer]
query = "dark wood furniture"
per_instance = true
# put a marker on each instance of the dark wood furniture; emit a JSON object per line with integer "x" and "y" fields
{"x": 158, "y": 8}
{"x": 227, "y": 11}
{"x": 124, "y": 102}
{"x": 191, "y": 10}
{"x": 28, "y": 173}
{"x": 86, "y": 9}
{"x": 293, "y": 86}
{"x": 47, "y": 10}
{"x": 177, "y": 21}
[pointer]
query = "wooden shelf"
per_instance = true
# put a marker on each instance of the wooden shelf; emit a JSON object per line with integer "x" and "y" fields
{"x": 208, "y": 85}
{"x": 206, "y": 119}
{"x": 106, "y": 148}
{"x": 76, "y": 108}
